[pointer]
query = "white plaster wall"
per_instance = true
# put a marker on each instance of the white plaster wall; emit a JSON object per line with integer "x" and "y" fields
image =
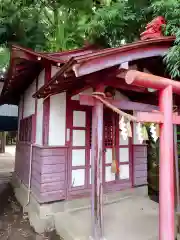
{"x": 87, "y": 91}
{"x": 29, "y": 101}
{"x": 54, "y": 70}
{"x": 57, "y": 120}
{"x": 39, "y": 115}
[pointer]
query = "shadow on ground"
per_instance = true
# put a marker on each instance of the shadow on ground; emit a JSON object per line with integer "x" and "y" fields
{"x": 13, "y": 223}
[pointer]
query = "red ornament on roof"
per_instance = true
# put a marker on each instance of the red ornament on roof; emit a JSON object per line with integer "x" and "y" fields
{"x": 154, "y": 29}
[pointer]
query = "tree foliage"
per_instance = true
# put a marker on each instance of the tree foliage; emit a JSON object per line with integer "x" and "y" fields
{"x": 171, "y": 11}
{"x": 55, "y": 25}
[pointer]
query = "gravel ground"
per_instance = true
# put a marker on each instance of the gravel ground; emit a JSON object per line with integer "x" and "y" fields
{"x": 14, "y": 225}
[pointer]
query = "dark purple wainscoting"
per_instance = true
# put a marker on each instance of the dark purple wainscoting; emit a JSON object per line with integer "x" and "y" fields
{"x": 22, "y": 163}
{"x": 48, "y": 179}
{"x": 140, "y": 165}
{"x": 49, "y": 173}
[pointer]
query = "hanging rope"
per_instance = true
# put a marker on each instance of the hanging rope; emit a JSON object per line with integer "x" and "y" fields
{"x": 101, "y": 97}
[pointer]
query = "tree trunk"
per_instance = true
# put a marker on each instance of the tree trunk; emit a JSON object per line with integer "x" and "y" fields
{"x": 2, "y": 142}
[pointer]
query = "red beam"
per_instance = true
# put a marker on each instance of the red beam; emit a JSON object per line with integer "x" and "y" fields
{"x": 156, "y": 117}
{"x": 122, "y": 104}
{"x": 166, "y": 176}
{"x": 119, "y": 83}
{"x": 150, "y": 117}
{"x": 46, "y": 108}
{"x": 176, "y": 119}
{"x": 147, "y": 80}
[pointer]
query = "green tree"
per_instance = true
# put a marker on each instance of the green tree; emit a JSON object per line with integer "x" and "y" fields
{"x": 55, "y": 25}
{"x": 123, "y": 20}
{"x": 171, "y": 11}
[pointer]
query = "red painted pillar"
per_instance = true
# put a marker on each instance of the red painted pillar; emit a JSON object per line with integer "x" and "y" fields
{"x": 166, "y": 176}
{"x": 46, "y": 108}
{"x": 96, "y": 171}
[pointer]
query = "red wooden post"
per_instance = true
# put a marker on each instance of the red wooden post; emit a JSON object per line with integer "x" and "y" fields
{"x": 96, "y": 170}
{"x": 46, "y": 107}
{"x": 166, "y": 176}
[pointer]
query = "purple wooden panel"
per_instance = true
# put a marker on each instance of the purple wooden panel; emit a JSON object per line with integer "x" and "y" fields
{"x": 36, "y": 175}
{"x": 53, "y": 152}
{"x": 55, "y": 168}
{"x": 140, "y": 165}
{"x": 37, "y": 151}
{"x": 22, "y": 161}
{"x": 56, "y": 177}
{"x": 49, "y": 173}
{"x": 35, "y": 184}
{"x": 36, "y": 167}
{"x": 52, "y": 196}
{"x": 140, "y": 148}
{"x": 140, "y": 160}
{"x": 142, "y": 154}
{"x": 53, "y": 159}
{"x": 49, "y": 187}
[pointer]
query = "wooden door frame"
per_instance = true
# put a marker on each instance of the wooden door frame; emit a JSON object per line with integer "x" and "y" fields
{"x": 74, "y": 105}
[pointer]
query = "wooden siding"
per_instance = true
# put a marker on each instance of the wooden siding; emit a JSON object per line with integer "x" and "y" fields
{"x": 49, "y": 174}
{"x": 140, "y": 165}
{"x": 48, "y": 179}
{"x": 22, "y": 163}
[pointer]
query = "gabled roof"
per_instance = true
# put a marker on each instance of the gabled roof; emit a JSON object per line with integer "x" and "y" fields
{"x": 25, "y": 66}
{"x": 72, "y": 72}
{"x": 78, "y": 67}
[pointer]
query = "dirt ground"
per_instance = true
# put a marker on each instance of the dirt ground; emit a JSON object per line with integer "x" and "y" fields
{"x": 14, "y": 225}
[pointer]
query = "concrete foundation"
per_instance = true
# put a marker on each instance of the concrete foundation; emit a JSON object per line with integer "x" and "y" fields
{"x": 58, "y": 215}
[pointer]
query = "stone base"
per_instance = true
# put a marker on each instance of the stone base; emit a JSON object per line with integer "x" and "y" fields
{"x": 42, "y": 217}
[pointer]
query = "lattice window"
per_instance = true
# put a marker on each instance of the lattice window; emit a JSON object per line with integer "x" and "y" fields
{"x": 107, "y": 129}
{"x": 25, "y": 131}
{"x": 108, "y": 132}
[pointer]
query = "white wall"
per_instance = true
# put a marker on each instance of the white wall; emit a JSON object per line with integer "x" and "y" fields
{"x": 39, "y": 115}
{"x": 54, "y": 70}
{"x": 87, "y": 91}
{"x": 29, "y": 101}
{"x": 57, "y": 120}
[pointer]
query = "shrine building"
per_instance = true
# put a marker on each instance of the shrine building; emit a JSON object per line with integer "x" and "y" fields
{"x": 56, "y": 93}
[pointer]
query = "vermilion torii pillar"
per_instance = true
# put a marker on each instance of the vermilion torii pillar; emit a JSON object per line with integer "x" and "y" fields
{"x": 166, "y": 119}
